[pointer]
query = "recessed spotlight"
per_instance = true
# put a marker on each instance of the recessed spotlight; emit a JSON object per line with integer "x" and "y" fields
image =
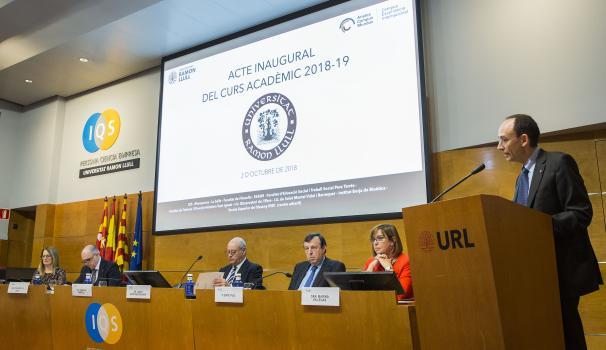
{"x": 28, "y": 81}
{"x": 83, "y": 59}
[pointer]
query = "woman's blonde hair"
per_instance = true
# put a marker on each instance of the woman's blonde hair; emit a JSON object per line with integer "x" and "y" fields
{"x": 52, "y": 251}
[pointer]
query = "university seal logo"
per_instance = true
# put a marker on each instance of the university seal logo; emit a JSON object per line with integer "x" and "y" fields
{"x": 347, "y": 24}
{"x": 426, "y": 241}
{"x": 269, "y": 126}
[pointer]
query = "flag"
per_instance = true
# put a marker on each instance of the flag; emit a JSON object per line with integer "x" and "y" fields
{"x": 122, "y": 250}
{"x": 102, "y": 234}
{"x": 110, "y": 245}
{"x": 136, "y": 257}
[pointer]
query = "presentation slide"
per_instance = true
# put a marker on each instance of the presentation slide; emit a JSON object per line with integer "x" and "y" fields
{"x": 315, "y": 118}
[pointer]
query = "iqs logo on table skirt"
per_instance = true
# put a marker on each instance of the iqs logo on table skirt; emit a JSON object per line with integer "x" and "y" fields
{"x": 103, "y": 323}
{"x": 101, "y": 130}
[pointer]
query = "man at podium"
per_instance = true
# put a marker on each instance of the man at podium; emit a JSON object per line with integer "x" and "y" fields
{"x": 550, "y": 182}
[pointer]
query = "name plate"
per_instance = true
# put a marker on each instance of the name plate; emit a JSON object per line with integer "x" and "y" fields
{"x": 82, "y": 290}
{"x": 320, "y": 296}
{"x": 18, "y": 287}
{"x": 138, "y": 292}
{"x": 229, "y": 295}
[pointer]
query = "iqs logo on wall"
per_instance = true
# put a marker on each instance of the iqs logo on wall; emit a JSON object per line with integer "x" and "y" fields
{"x": 269, "y": 126}
{"x": 101, "y": 130}
{"x": 103, "y": 323}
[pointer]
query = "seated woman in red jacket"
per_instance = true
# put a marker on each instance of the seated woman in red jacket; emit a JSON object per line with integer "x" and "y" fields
{"x": 388, "y": 256}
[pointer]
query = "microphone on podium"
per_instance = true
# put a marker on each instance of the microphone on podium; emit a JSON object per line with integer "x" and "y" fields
{"x": 186, "y": 272}
{"x": 473, "y": 172}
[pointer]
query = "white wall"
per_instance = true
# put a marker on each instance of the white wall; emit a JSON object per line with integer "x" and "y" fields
{"x": 487, "y": 59}
{"x": 136, "y": 101}
{"x": 8, "y": 137}
{"x": 38, "y": 135}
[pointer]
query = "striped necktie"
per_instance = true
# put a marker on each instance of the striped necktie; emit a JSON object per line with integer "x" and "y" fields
{"x": 231, "y": 275}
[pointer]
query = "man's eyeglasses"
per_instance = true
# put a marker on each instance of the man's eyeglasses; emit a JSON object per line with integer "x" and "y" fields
{"x": 231, "y": 252}
{"x": 84, "y": 261}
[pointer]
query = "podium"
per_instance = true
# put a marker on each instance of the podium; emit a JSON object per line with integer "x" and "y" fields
{"x": 484, "y": 275}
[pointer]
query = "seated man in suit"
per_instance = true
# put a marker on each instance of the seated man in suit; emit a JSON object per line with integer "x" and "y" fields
{"x": 310, "y": 273}
{"x": 239, "y": 264}
{"x": 101, "y": 270}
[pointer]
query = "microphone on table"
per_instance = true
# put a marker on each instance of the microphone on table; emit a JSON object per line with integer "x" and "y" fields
{"x": 287, "y": 274}
{"x": 473, "y": 172}
{"x": 186, "y": 272}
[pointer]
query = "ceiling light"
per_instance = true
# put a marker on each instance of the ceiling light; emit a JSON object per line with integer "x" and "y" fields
{"x": 83, "y": 59}
{"x": 28, "y": 81}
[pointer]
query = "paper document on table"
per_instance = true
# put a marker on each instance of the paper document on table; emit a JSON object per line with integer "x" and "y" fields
{"x": 205, "y": 279}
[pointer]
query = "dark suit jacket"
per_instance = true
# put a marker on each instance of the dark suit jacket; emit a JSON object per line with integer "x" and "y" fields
{"x": 302, "y": 267}
{"x": 108, "y": 271}
{"x": 249, "y": 271}
{"x": 557, "y": 189}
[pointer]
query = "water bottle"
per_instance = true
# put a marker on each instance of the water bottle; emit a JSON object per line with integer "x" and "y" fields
{"x": 37, "y": 279}
{"x": 189, "y": 287}
{"x": 88, "y": 278}
{"x": 238, "y": 281}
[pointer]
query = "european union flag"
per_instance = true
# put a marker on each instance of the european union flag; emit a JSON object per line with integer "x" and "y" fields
{"x": 136, "y": 257}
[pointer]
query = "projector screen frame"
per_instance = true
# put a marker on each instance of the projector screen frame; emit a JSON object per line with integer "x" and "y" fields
{"x": 425, "y": 137}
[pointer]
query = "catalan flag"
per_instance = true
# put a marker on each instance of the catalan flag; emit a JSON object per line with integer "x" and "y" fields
{"x": 102, "y": 234}
{"x": 122, "y": 255}
{"x": 110, "y": 245}
{"x": 136, "y": 260}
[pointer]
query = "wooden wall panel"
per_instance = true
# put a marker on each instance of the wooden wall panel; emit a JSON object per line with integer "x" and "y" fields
{"x": 584, "y": 152}
{"x": 597, "y": 232}
{"x": 20, "y": 238}
{"x": 276, "y": 249}
{"x": 595, "y": 342}
{"x": 451, "y": 166}
{"x": 69, "y": 251}
{"x": 3, "y": 252}
{"x": 45, "y": 220}
{"x": 593, "y": 309}
{"x": 600, "y": 146}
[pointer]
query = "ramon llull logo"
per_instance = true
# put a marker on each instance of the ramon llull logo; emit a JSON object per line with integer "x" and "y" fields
{"x": 172, "y": 77}
{"x": 101, "y": 130}
{"x": 269, "y": 126}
